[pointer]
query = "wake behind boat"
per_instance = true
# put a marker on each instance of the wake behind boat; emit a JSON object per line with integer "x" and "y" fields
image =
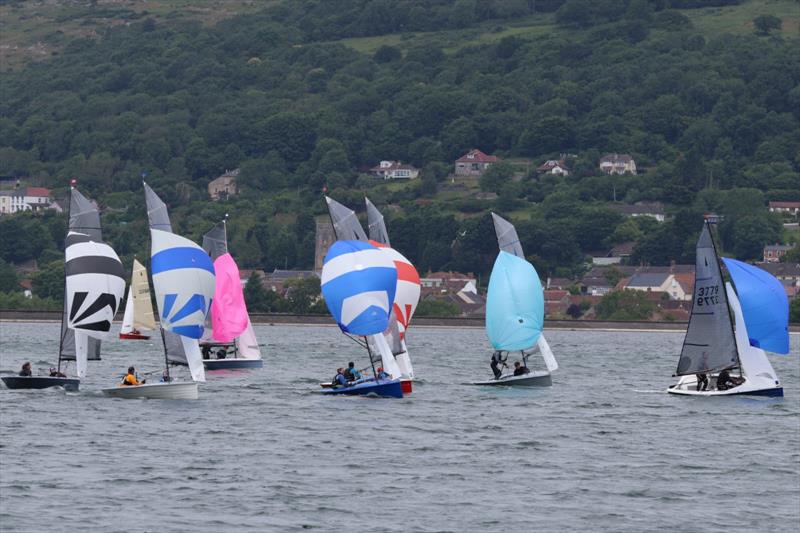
{"x": 515, "y": 314}
{"x": 712, "y": 349}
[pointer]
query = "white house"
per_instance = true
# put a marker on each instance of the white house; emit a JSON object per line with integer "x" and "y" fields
{"x": 392, "y": 170}
{"x": 551, "y": 166}
{"x": 617, "y": 164}
{"x": 27, "y": 199}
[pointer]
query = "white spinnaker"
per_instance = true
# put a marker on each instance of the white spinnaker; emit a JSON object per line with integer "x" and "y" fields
{"x": 194, "y": 358}
{"x": 388, "y": 361}
{"x": 81, "y": 353}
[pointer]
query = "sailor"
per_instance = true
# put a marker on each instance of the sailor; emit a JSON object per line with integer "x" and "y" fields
{"x": 26, "y": 370}
{"x": 130, "y": 378}
{"x": 520, "y": 369}
{"x": 497, "y": 360}
{"x": 725, "y": 381}
{"x": 351, "y": 373}
{"x": 340, "y": 380}
{"x": 165, "y": 378}
{"x": 702, "y": 382}
{"x": 54, "y": 373}
{"x": 382, "y": 374}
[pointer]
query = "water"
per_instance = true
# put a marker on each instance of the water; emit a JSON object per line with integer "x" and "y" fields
{"x": 604, "y": 449}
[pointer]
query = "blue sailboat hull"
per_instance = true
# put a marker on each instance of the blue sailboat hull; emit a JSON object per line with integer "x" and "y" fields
{"x": 390, "y": 389}
{"x": 40, "y": 382}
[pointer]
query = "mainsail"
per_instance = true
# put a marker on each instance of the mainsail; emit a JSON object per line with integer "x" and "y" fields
{"x": 139, "y": 307}
{"x": 377, "y": 227}
{"x": 95, "y": 283}
{"x": 215, "y": 241}
{"x": 507, "y": 238}
{"x": 83, "y": 218}
{"x": 345, "y": 222}
{"x": 764, "y": 305}
{"x": 709, "y": 345}
{"x": 183, "y": 279}
{"x": 158, "y": 218}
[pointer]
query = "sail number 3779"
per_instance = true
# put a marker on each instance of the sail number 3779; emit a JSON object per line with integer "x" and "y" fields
{"x": 708, "y": 295}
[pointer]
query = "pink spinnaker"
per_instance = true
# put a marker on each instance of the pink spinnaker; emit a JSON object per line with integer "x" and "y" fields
{"x": 228, "y": 311}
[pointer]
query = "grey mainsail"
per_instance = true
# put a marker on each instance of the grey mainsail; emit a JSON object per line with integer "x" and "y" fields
{"x": 345, "y": 222}
{"x": 83, "y": 218}
{"x": 158, "y": 218}
{"x": 376, "y": 225}
{"x": 215, "y": 241}
{"x": 507, "y": 238}
{"x": 709, "y": 345}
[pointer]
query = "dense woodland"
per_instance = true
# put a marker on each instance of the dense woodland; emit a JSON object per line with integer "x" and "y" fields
{"x": 712, "y": 120}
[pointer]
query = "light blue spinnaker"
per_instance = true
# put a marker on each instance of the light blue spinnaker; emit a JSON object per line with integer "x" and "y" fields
{"x": 764, "y": 305}
{"x": 514, "y": 305}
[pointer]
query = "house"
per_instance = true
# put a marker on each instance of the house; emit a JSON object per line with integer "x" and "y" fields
{"x": 556, "y": 302}
{"x": 600, "y": 280}
{"x": 787, "y": 273}
{"x": 474, "y": 163}
{"x": 446, "y": 281}
{"x": 224, "y": 186}
{"x": 467, "y": 299}
{"x": 392, "y": 170}
{"x": 712, "y": 218}
{"x": 641, "y": 209}
{"x": 551, "y": 166}
{"x": 791, "y": 208}
{"x": 276, "y": 280}
{"x": 617, "y": 164}
{"x": 659, "y": 282}
{"x": 26, "y": 199}
{"x": 774, "y": 252}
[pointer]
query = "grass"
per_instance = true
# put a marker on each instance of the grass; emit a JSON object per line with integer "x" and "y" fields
{"x": 738, "y": 19}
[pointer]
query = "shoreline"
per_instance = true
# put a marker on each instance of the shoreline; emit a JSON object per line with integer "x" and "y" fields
{"x": 21, "y": 315}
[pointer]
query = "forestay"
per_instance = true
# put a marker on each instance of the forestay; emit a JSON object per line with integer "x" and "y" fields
{"x": 764, "y": 305}
{"x": 95, "y": 284}
{"x": 709, "y": 345}
{"x": 514, "y": 304}
{"x": 183, "y": 279}
{"x": 83, "y": 218}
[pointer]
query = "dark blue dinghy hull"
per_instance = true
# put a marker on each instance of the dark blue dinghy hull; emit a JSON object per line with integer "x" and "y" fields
{"x": 40, "y": 382}
{"x": 390, "y": 389}
{"x": 226, "y": 364}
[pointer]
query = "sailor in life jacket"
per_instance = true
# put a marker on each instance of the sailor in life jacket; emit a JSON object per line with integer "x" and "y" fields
{"x": 130, "y": 378}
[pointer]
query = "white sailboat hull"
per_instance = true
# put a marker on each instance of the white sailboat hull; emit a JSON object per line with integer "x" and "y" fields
{"x": 687, "y": 386}
{"x": 536, "y": 378}
{"x": 184, "y": 390}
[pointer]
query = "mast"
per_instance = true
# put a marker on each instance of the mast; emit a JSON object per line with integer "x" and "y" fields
{"x": 63, "y": 310}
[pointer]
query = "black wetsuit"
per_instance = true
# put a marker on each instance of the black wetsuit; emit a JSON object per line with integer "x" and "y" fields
{"x": 497, "y": 360}
{"x": 521, "y": 371}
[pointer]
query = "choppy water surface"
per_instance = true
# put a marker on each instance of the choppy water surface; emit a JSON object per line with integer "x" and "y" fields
{"x": 604, "y": 449}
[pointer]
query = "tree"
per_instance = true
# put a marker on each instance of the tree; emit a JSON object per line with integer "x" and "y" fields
{"x": 302, "y": 294}
{"x": 8, "y": 278}
{"x": 48, "y": 282}
{"x": 625, "y": 305}
{"x": 437, "y": 308}
{"x": 794, "y": 311}
{"x": 496, "y": 176}
{"x": 387, "y": 54}
{"x": 764, "y": 24}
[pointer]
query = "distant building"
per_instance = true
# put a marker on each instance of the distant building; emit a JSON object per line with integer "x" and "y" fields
{"x": 617, "y": 164}
{"x": 712, "y": 218}
{"x": 393, "y": 170}
{"x": 774, "y": 252}
{"x": 551, "y": 166}
{"x": 276, "y": 280}
{"x": 641, "y": 209}
{"x": 787, "y": 273}
{"x": 25, "y": 199}
{"x": 792, "y": 208}
{"x": 224, "y": 186}
{"x": 446, "y": 281}
{"x": 474, "y": 163}
{"x": 324, "y": 239}
{"x": 596, "y": 281}
{"x": 660, "y": 282}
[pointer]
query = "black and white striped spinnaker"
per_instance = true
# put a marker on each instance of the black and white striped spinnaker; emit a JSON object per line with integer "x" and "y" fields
{"x": 95, "y": 283}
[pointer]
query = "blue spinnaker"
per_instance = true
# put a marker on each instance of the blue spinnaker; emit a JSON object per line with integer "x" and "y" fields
{"x": 515, "y": 304}
{"x": 358, "y": 284}
{"x": 764, "y": 305}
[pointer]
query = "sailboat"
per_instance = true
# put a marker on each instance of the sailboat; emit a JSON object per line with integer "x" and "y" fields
{"x": 515, "y": 310}
{"x": 347, "y": 227}
{"x": 93, "y": 288}
{"x": 183, "y": 280}
{"x": 230, "y": 342}
{"x": 358, "y": 284}
{"x": 138, "y": 307}
{"x": 406, "y": 296}
{"x": 712, "y": 344}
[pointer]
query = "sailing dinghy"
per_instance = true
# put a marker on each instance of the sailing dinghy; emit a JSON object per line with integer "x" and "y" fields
{"x": 712, "y": 345}
{"x": 230, "y": 341}
{"x": 183, "y": 280}
{"x": 515, "y": 310}
{"x": 406, "y": 296}
{"x": 383, "y": 349}
{"x": 93, "y": 288}
{"x": 138, "y": 307}
{"x": 358, "y": 284}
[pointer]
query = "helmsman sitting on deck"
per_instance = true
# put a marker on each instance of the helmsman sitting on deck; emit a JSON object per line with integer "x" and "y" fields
{"x": 130, "y": 378}
{"x": 725, "y": 381}
{"x": 520, "y": 369}
{"x": 340, "y": 380}
{"x": 26, "y": 370}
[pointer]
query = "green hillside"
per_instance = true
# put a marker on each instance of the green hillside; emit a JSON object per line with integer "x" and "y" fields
{"x": 304, "y": 96}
